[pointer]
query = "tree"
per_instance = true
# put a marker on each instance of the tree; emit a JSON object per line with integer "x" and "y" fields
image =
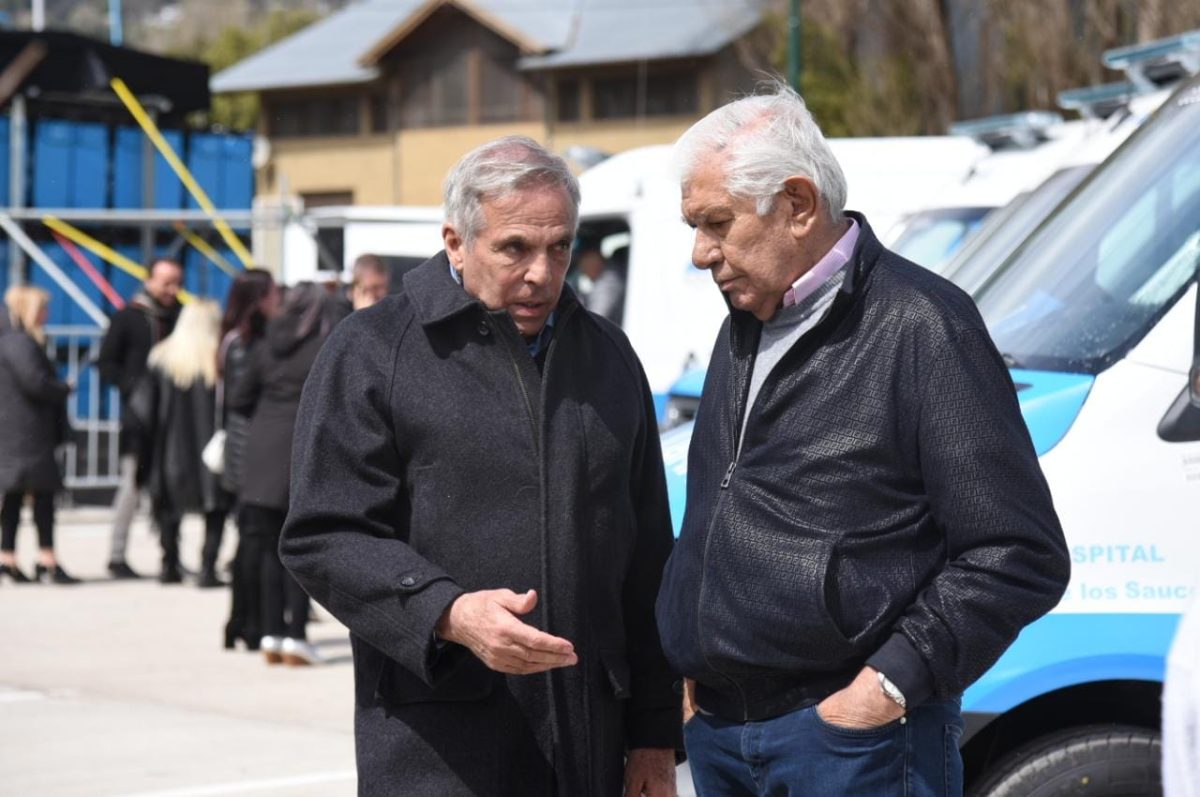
{"x": 234, "y": 43}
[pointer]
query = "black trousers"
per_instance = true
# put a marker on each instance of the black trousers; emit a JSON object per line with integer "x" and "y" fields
{"x": 169, "y": 521}
{"x": 284, "y": 603}
{"x": 10, "y": 518}
{"x": 245, "y": 600}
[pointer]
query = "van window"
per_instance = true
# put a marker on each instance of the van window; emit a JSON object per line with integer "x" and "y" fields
{"x": 1112, "y": 259}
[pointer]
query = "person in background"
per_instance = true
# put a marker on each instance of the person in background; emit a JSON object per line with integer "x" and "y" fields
{"x": 253, "y": 300}
{"x": 177, "y": 405}
{"x": 603, "y": 289}
{"x": 149, "y": 318}
{"x": 270, "y": 394}
{"x": 32, "y": 424}
{"x": 372, "y": 281}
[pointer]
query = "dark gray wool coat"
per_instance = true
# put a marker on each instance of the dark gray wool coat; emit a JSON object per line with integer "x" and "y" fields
{"x": 432, "y": 458}
{"x": 32, "y": 414}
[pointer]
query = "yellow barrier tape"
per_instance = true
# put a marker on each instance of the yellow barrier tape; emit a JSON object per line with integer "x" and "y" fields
{"x": 105, "y": 253}
{"x": 203, "y": 247}
{"x": 151, "y": 130}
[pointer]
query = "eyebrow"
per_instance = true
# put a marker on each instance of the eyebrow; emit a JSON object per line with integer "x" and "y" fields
{"x": 703, "y": 215}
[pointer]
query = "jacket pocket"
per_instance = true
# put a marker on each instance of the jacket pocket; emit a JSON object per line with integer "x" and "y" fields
{"x": 463, "y": 678}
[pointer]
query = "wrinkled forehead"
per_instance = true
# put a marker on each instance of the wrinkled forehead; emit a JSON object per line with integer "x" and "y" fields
{"x": 542, "y": 205}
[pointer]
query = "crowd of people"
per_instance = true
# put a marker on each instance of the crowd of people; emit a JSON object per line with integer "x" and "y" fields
{"x": 208, "y": 407}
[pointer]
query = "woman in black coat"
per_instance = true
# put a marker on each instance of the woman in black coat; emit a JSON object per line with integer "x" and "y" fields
{"x": 177, "y": 403}
{"x": 32, "y": 423}
{"x": 270, "y": 393}
{"x": 253, "y": 299}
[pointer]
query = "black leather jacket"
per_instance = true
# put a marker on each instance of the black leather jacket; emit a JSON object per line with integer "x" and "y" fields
{"x": 886, "y": 505}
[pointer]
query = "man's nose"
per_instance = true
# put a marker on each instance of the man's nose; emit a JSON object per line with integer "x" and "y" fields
{"x": 705, "y": 252}
{"x": 538, "y": 272}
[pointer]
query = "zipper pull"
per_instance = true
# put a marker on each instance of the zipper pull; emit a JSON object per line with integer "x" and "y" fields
{"x": 728, "y": 475}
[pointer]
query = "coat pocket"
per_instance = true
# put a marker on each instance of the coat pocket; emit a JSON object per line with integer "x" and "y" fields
{"x": 462, "y": 678}
{"x": 616, "y": 671}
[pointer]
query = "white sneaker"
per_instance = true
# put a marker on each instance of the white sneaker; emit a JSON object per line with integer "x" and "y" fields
{"x": 271, "y": 646}
{"x": 298, "y": 653}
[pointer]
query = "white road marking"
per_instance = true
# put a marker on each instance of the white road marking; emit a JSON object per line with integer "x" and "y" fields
{"x": 245, "y": 786}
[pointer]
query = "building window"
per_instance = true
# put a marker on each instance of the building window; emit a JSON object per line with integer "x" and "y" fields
{"x": 434, "y": 91}
{"x": 630, "y": 96}
{"x": 615, "y": 97}
{"x": 501, "y": 89}
{"x": 324, "y": 116}
{"x": 377, "y": 108}
{"x": 566, "y": 99}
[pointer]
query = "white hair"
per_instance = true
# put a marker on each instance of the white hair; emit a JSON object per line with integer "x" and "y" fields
{"x": 765, "y": 139}
{"x": 499, "y": 168}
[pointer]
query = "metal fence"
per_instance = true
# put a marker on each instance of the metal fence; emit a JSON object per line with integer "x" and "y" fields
{"x": 91, "y": 457}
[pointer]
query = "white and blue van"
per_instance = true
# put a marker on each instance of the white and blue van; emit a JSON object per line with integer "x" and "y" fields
{"x": 1096, "y": 314}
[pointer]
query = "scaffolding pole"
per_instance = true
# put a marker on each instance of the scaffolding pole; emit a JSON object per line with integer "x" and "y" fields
{"x": 18, "y": 236}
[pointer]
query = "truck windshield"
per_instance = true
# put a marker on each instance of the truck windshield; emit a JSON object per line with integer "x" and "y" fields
{"x": 1112, "y": 259}
{"x": 1006, "y": 228}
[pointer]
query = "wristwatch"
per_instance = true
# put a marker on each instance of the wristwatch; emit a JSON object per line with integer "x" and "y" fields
{"x": 892, "y": 691}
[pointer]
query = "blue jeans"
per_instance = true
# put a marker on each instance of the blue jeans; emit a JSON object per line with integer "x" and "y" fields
{"x": 801, "y": 755}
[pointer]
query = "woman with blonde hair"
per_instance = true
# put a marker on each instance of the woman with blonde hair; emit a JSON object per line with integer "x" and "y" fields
{"x": 32, "y": 424}
{"x": 177, "y": 404}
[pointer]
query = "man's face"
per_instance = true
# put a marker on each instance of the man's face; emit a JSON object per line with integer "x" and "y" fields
{"x": 164, "y": 282}
{"x": 518, "y": 261}
{"x": 369, "y": 287}
{"x": 753, "y": 259}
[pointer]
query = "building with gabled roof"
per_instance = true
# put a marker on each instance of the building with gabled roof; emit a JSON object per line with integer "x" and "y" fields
{"x": 374, "y": 103}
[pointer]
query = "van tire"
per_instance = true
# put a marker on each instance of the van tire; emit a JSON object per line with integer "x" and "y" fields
{"x": 1096, "y": 760}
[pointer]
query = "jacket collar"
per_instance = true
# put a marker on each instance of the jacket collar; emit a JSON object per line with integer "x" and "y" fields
{"x": 436, "y": 297}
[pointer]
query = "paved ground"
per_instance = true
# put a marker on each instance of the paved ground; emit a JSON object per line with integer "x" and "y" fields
{"x": 123, "y": 689}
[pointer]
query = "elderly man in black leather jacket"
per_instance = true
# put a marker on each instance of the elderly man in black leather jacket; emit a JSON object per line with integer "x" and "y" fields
{"x": 867, "y": 526}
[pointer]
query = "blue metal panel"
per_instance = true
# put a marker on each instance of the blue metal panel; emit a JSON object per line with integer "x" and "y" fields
{"x": 127, "y": 171}
{"x": 237, "y": 170}
{"x": 89, "y": 166}
{"x": 52, "y": 145}
{"x": 125, "y": 284}
{"x": 127, "y": 168}
{"x": 204, "y": 162}
{"x": 70, "y": 165}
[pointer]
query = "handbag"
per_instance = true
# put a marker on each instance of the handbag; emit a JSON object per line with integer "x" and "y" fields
{"x": 213, "y": 455}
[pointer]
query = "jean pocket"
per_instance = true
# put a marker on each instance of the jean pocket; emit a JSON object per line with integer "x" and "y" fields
{"x": 873, "y": 732}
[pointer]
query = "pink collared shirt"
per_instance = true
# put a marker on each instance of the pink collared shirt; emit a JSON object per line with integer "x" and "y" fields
{"x": 833, "y": 260}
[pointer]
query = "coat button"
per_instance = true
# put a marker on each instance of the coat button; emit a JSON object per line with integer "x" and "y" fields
{"x": 407, "y": 581}
{"x": 483, "y": 329}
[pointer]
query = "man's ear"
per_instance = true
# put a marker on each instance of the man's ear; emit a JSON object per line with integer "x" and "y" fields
{"x": 455, "y": 246}
{"x": 803, "y": 204}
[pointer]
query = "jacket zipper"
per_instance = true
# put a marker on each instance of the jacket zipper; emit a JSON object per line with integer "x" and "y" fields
{"x": 737, "y": 452}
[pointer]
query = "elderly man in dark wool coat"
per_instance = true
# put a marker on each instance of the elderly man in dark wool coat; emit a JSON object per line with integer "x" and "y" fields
{"x": 478, "y": 494}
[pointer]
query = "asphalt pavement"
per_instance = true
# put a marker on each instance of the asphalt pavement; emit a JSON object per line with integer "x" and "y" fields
{"x": 122, "y": 688}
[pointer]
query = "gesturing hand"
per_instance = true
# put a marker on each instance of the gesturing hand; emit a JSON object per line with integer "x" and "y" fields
{"x": 486, "y": 623}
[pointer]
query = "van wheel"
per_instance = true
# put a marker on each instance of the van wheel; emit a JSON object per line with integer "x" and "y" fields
{"x": 1099, "y": 760}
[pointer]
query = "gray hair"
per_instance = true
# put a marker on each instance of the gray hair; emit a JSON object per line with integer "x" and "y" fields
{"x": 499, "y": 168}
{"x": 765, "y": 139}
